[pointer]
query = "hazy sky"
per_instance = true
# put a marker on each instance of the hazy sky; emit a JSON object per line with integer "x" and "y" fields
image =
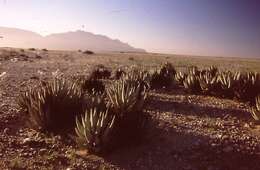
{"x": 203, "y": 27}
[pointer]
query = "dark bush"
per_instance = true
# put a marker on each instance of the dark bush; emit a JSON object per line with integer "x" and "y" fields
{"x": 118, "y": 73}
{"x": 91, "y": 85}
{"x": 88, "y": 52}
{"x": 32, "y": 49}
{"x": 163, "y": 78}
{"x": 131, "y": 58}
{"x": 100, "y": 72}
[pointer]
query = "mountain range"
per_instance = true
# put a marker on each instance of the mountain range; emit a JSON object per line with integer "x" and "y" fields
{"x": 74, "y": 40}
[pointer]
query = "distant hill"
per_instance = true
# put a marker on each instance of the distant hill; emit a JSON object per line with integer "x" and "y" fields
{"x": 13, "y": 37}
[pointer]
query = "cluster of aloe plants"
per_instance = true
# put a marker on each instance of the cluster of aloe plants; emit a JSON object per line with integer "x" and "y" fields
{"x": 99, "y": 119}
{"x": 116, "y": 115}
{"x": 197, "y": 81}
{"x": 104, "y": 115}
{"x": 242, "y": 86}
{"x": 248, "y": 86}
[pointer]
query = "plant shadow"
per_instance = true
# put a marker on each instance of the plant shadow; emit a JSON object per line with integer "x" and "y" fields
{"x": 189, "y": 108}
{"x": 165, "y": 148}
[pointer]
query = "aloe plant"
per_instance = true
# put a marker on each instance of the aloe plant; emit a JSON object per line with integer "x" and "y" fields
{"x": 180, "y": 77}
{"x": 208, "y": 83}
{"x": 255, "y": 111}
{"x": 127, "y": 101}
{"x": 138, "y": 77}
{"x": 228, "y": 82}
{"x": 94, "y": 129}
{"x": 125, "y": 97}
{"x": 246, "y": 86}
{"x": 192, "y": 83}
{"x": 212, "y": 70}
{"x": 53, "y": 106}
{"x": 193, "y": 70}
{"x": 251, "y": 86}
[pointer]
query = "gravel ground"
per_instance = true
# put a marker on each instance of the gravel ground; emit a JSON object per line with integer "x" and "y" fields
{"x": 189, "y": 132}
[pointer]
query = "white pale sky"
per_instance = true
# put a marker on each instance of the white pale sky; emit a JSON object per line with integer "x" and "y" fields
{"x": 201, "y": 27}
